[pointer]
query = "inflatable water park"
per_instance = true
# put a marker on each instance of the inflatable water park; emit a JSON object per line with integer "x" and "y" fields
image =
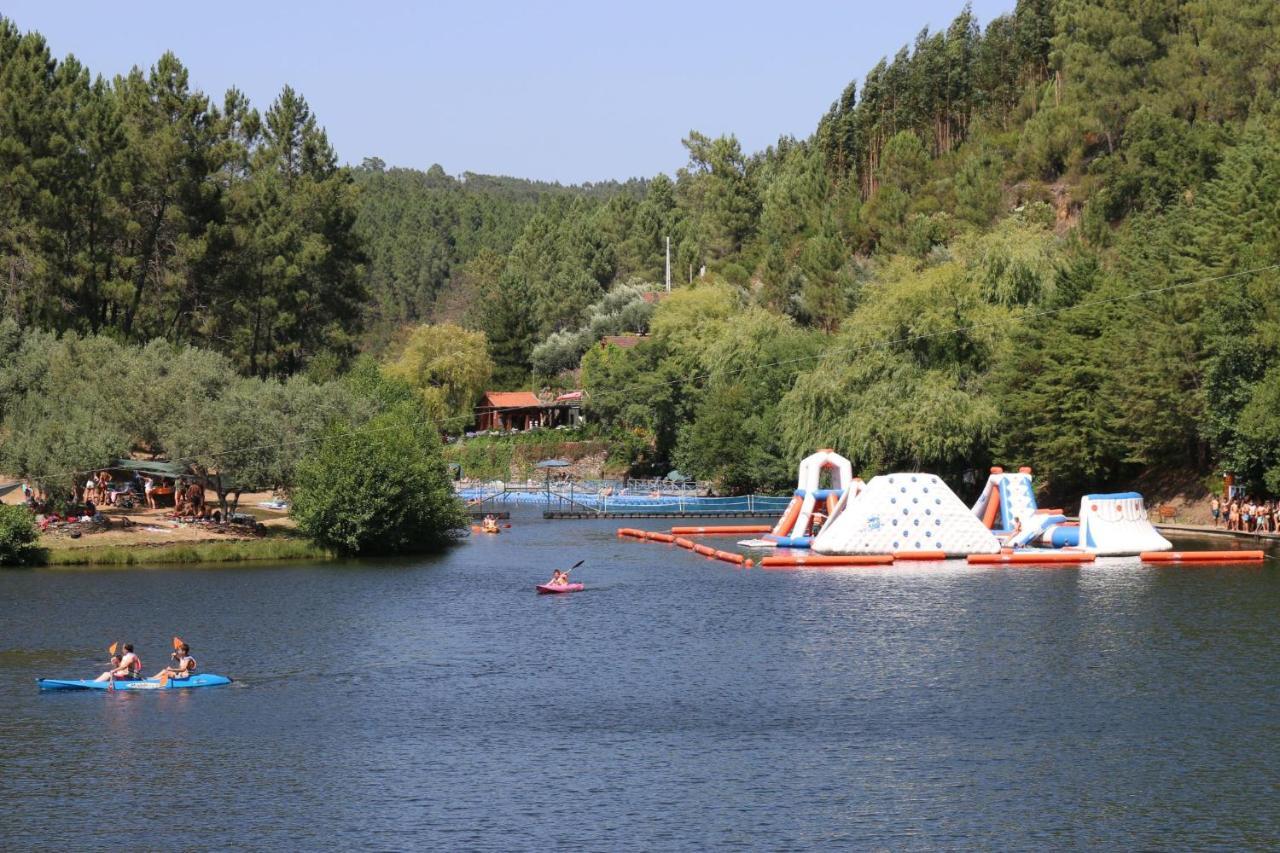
{"x": 835, "y": 519}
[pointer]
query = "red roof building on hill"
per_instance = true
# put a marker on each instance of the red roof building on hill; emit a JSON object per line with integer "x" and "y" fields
{"x": 505, "y": 410}
{"x": 521, "y": 410}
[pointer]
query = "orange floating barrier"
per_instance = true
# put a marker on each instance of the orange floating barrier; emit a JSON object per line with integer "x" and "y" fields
{"x": 704, "y": 550}
{"x": 730, "y": 557}
{"x": 1202, "y": 556}
{"x": 684, "y": 543}
{"x": 828, "y": 560}
{"x": 919, "y": 555}
{"x": 1026, "y": 558}
{"x": 723, "y": 529}
{"x": 630, "y": 531}
{"x": 659, "y": 537}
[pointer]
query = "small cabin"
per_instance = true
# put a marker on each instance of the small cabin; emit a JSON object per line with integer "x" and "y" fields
{"x": 508, "y": 410}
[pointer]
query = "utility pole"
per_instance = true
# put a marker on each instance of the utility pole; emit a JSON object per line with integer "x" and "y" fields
{"x": 668, "y": 265}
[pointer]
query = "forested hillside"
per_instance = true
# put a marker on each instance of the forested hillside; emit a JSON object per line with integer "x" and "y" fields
{"x": 1049, "y": 240}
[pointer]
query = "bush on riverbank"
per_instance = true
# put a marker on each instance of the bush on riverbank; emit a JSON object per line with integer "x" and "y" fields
{"x": 381, "y": 489}
{"x": 18, "y": 536}
{"x": 271, "y": 549}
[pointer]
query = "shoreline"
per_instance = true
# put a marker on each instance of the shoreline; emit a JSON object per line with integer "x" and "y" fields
{"x": 1218, "y": 531}
{"x": 271, "y": 548}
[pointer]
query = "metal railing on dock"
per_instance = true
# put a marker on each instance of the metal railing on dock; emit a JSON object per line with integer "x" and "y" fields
{"x": 641, "y": 513}
{"x": 570, "y": 500}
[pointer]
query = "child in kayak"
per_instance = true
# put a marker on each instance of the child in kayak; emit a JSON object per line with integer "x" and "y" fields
{"x": 126, "y": 667}
{"x": 185, "y": 666}
{"x": 558, "y": 578}
{"x": 114, "y": 670}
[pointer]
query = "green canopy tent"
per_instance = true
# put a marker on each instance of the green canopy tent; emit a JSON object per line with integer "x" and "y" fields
{"x": 172, "y": 470}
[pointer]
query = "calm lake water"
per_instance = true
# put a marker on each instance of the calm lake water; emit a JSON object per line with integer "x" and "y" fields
{"x": 678, "y": 703}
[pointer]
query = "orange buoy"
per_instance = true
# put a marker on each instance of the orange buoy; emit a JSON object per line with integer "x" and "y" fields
{"x": 919, "y": 555}
{"x": 1202, "y": 556}
{"x": 723, "y": 530}
{"x": 704, "y": 550}
{"x": 659, "y": 537}
{"x": 1030, "y": 558}
{"x": 684, "y": 543}
{"x": 828, "y": 560}
{"x": 730, "y": 557}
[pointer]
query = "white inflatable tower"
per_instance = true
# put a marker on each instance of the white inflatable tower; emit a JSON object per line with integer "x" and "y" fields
{"x": 905, "y": 512}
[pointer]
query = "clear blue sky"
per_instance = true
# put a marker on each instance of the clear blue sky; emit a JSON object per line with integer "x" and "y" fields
{"x": 571, "y": 91}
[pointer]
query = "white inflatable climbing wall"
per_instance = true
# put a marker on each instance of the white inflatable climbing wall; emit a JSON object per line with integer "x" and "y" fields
{"x": 906, "y": 512}
{"x": 1116, "y": 524}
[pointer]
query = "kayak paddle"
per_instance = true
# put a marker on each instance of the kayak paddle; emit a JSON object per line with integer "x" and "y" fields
{"x": 111, "y": 677}
{"x": 164, "y": 676}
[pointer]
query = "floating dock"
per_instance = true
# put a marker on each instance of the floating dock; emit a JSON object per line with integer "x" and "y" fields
{"x": 642, "y": 513}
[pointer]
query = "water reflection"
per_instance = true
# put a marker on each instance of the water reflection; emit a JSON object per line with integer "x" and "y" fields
{"x": 678, "y": 702}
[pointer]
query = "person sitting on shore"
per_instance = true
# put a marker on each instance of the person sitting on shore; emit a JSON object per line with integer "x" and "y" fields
{"x": 184, "y": 664}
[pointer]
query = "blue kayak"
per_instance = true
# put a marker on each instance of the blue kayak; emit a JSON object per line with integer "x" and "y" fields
{"x": 200, "y": 680}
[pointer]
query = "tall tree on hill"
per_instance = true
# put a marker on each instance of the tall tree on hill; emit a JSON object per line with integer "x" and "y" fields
{"x": 296, "y": 216}
{"x": 26, "y": 122}
{"x": 719, "y": 196}
{"x": 168, "y": 197}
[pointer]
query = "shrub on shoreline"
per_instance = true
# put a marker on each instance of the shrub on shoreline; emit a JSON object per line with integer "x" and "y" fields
{"x": 18, "y": 536}
{"x": 378, "y": 489}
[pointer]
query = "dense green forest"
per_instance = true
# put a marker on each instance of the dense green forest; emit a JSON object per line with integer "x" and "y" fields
{"x": 1050, "y": 240}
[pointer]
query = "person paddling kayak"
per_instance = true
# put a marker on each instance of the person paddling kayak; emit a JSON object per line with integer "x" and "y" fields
{"x": 184, "y": 666}
{"x": 558, "y": 578}
{"x": 126, "y": 667}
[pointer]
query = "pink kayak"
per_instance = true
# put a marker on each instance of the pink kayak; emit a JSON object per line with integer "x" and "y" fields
{"x": 547, "y": 589}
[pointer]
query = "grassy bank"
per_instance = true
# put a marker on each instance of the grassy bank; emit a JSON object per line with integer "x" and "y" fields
{"x": 270, "y": 548}
{"x": 503, "y": 457}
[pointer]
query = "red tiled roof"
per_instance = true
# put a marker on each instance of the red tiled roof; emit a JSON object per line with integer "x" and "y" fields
{"x": 622, "y": 341}
{"x": 510, "y": 400}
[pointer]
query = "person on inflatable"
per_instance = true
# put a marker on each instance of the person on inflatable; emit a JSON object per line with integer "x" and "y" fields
{"x": 184, "y": 667}
{"x": 816, "y": 523}
{"x": 490, "y": 524}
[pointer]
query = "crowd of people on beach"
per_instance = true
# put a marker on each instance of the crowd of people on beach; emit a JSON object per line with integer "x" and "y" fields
{"x": 1246, "y": 515}
{"x": 100, "y": 490}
